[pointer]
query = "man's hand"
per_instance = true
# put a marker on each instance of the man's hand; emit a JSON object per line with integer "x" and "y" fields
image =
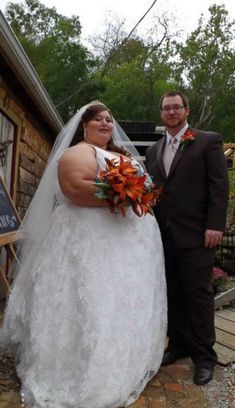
{"x": 213, "y": 238}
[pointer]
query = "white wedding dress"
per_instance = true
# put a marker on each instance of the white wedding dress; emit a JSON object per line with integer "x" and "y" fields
{"x": 91, "y": 324}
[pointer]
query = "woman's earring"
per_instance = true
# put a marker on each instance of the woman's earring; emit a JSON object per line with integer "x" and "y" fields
{"x": 84, "y": 134}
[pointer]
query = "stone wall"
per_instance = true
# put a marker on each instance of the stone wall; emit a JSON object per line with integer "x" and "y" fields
{"x": 32, "y": 147}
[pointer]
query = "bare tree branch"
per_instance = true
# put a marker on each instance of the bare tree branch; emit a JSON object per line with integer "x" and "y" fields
{"x": 126, "y": 39}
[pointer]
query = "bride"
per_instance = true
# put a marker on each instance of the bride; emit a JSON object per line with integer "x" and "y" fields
{"x": 87, "y": 311}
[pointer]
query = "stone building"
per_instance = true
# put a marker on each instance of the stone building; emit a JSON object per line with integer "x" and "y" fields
{"x": 29, "y": 122}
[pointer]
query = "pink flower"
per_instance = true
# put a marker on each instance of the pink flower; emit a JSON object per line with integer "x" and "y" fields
{"x": 219, "y": 278}
{"x": 219, "y": 273}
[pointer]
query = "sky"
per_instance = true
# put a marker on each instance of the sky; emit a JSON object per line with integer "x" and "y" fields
{"x": 93, "y": 13}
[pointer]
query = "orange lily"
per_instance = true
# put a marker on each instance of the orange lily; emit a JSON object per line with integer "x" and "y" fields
{"x": 127, "y": 187}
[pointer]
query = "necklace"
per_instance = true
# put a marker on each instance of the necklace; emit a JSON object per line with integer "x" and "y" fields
{"x": 94, "y": 144}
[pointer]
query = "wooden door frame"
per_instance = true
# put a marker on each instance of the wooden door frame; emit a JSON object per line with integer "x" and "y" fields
{"x": 17, "y": 121}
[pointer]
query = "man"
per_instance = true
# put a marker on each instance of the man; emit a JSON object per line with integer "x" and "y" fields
{"x": 191, "y": 167}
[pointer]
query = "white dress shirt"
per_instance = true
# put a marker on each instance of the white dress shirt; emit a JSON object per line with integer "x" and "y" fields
{"x": 171, "y": 146}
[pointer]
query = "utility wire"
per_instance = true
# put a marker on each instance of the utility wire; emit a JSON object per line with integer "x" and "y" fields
{"x": 113, "y": 55}
{"x": 127, "y": 38}
{"x": 69, "y": 97}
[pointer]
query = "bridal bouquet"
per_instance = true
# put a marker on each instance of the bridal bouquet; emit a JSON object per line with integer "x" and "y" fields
{"x": 124, "y": 184}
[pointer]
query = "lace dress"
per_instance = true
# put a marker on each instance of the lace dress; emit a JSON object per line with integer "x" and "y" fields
{"x": 91, "y": 325}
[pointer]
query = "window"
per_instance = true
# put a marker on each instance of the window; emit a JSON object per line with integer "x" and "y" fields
{"x": 6, "y": 149}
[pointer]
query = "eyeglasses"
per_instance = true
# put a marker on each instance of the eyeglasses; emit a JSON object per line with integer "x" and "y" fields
{"x": 175, "y": 108}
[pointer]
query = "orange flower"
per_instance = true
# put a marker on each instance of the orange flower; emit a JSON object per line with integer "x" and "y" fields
{"x": 124, "y": 184}
{"x": 187, "y": 138}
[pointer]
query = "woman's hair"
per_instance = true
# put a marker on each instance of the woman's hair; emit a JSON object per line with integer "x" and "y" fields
{"x": 88, "y": 115}
{"x": 175, "y": 93}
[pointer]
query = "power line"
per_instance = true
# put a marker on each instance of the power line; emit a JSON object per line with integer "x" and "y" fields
{"x": 109, "y": 59}
{"x": 127, "y": 38}
{"x": 69, "y": 97}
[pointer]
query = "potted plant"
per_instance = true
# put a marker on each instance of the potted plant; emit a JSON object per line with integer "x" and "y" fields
{"x": 219, "y": 280}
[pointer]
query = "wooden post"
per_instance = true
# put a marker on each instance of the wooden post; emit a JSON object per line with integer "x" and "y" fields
{"x": 7, "y": 241}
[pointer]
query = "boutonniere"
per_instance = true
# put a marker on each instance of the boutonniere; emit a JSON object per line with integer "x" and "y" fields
{"x": 187, "y": 138}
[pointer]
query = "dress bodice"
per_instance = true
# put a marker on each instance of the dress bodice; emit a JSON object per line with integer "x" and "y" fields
{"x": 102, "y": 154}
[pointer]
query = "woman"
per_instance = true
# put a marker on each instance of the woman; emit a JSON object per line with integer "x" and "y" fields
{"x": 88, "y": 307}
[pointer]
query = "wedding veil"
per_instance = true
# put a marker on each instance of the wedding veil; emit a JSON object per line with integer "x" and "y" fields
{"x": 36, "y": 222}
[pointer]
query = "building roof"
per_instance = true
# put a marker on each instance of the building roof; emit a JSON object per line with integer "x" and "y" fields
{"x": 17, "y": 70}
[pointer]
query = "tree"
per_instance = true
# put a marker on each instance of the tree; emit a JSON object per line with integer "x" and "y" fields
{"x": 52, "y": 42}
{"x": 134, "y": 71}
{"x": 207, "y": 68}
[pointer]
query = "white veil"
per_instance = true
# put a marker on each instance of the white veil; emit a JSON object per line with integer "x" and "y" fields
{"x": 37, "y": 219}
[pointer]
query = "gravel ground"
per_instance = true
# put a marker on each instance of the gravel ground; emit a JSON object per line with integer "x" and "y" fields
{"x": 220, "y": 392}
{"x": 8, "y": 377}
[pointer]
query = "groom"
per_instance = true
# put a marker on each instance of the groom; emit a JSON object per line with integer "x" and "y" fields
{"x": 191, "y": 167}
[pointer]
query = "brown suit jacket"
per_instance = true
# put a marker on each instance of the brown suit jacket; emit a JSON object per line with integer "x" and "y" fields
{"x": 195, "y": 193}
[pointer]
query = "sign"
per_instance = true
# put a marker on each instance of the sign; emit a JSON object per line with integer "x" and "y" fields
{"x": 9, "y": 225}
{"x": 9, "y": 218}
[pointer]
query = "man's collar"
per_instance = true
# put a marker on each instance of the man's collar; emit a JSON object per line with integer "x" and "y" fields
{"x": 179, "y": 134}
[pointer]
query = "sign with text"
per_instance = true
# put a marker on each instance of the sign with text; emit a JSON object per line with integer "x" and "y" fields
{"x": 9, "y": 218}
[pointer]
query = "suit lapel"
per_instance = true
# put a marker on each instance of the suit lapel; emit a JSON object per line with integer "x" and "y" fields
{"x": 160, "y": 157}
{"x": 178, "y": 156}
{"x": 176, "y": 160}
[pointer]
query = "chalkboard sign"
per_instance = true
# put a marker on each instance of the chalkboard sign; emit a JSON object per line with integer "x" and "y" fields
{"x": 9, "y": 218}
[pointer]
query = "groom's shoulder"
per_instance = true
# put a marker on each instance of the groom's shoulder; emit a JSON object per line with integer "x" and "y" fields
{"x": 154, "y": 146}
{"x": 208, "y": 137}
